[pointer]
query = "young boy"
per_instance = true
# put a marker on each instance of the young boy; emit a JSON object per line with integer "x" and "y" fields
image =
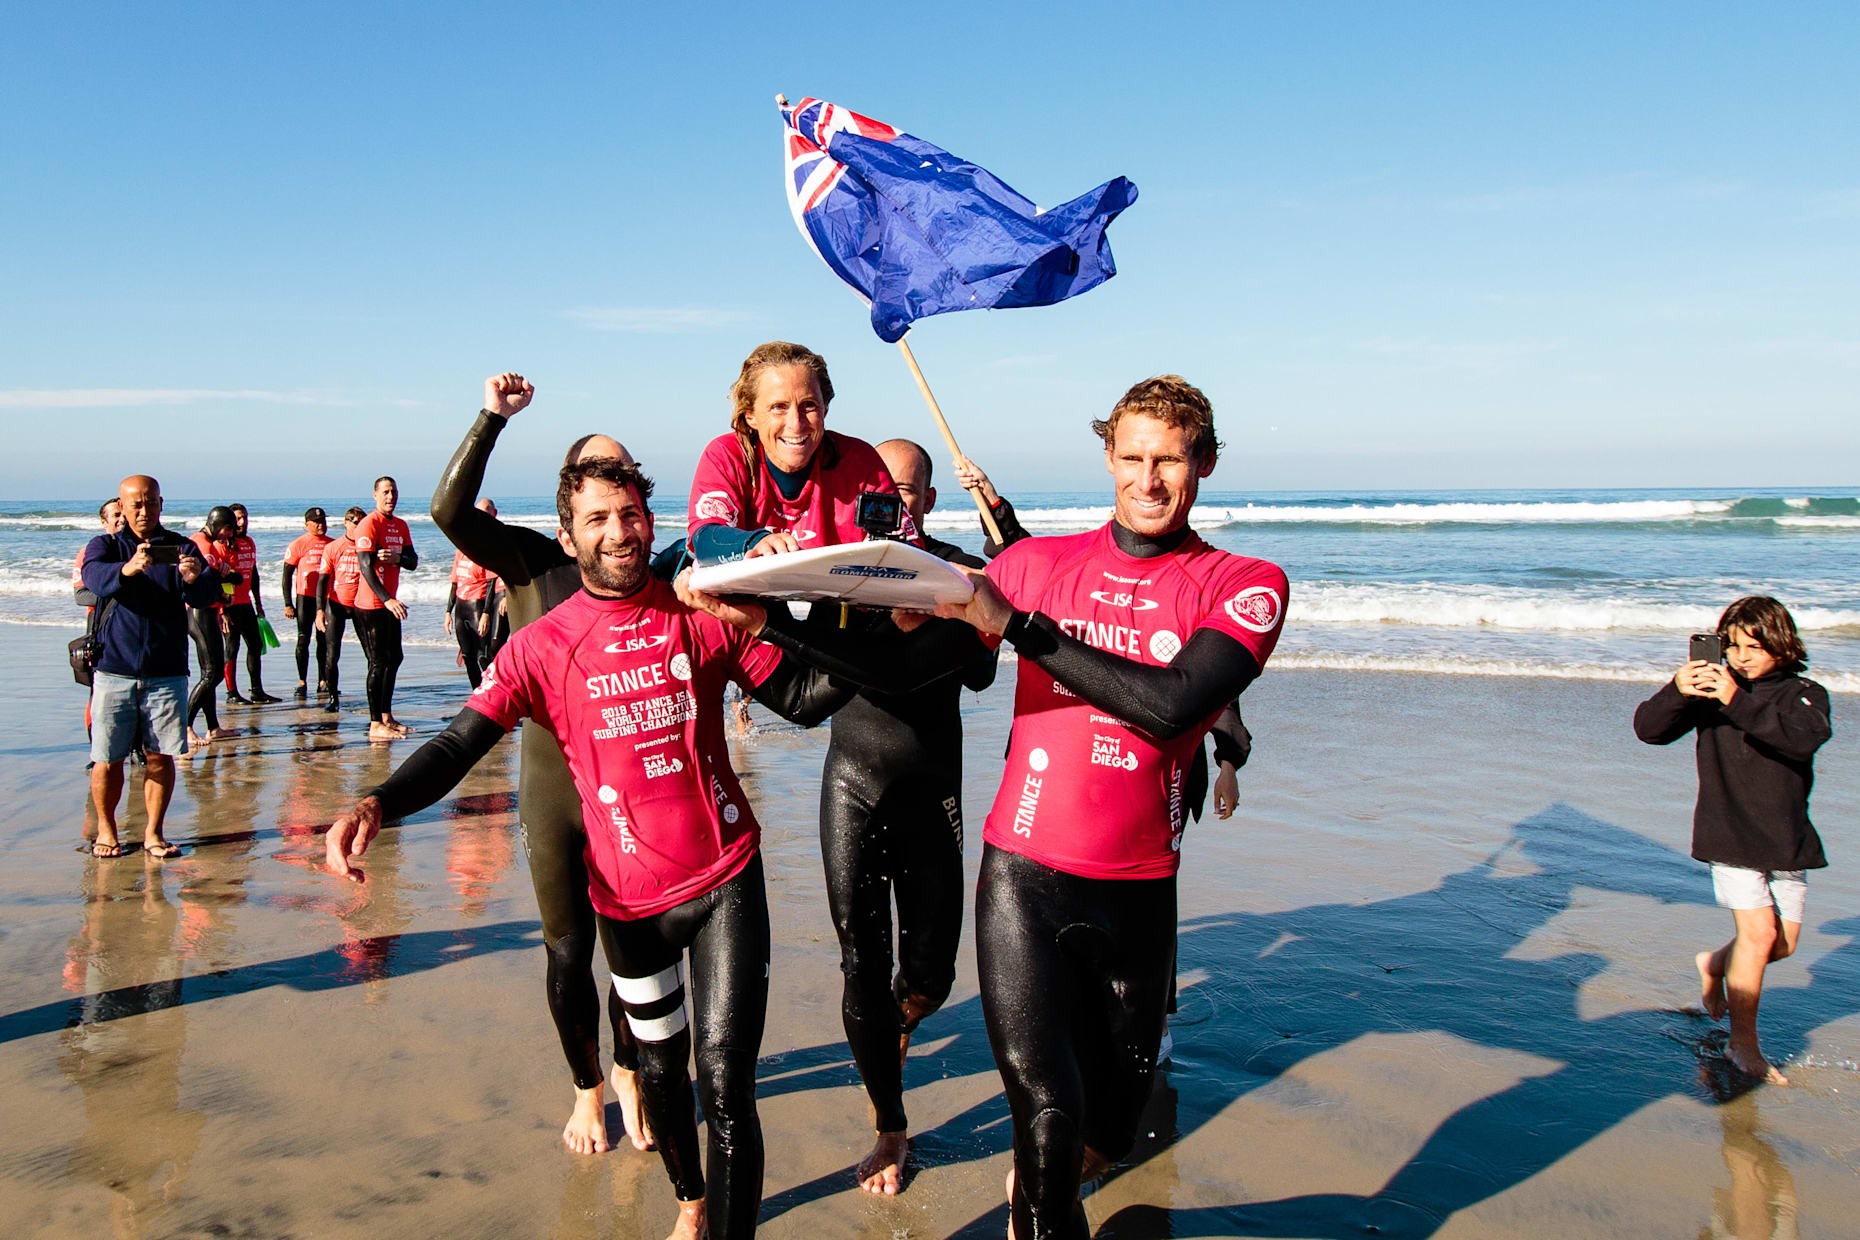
{"x": 1759, "y": 724}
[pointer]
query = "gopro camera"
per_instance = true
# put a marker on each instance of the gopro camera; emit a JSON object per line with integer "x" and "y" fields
{"x": 879, "y": 514}
{"x": 1707, "y": 647}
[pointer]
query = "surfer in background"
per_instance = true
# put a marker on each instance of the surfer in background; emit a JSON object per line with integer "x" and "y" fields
{"x": 539, "y": 573}
{"x": 242, "y": 613}
{"x": 469, "y": 602}
{"x": 1132, "y": 638}
{"x": 383, "y": 547}
{"x": 303, "y": 568}
{"x": 206, "y": 623}
{"x": 335, "y": 600}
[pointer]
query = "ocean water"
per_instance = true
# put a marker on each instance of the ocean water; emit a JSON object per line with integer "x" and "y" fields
{"x": 1572, "y": 583}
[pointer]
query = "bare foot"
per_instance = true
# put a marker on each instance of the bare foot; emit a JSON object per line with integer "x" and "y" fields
{"x": 400, "y": 729}
{"x": 692, "y": 1224}
{"x": 1711, "y": 987}
{"x": 221, "y": 734}
{"x": 378, "y": 731}
{"x": 882, "y": 1171}
{"x": 632, "y": 1113}
{"x": 1750, "y": 1061}
{"x": 586, "y": 1130}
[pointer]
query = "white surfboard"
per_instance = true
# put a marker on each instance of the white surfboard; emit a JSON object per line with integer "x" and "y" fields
{"x": 870, "y": 574}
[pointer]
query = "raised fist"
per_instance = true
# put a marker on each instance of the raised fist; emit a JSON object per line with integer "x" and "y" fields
{"x": 507, "y": 393}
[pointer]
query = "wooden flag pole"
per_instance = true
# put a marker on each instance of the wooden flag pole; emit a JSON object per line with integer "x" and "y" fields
{"x": 981, "y": 505}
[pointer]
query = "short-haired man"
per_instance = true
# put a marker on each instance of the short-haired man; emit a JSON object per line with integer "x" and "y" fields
{"x": 144, "y": 577}
{"x": 1132, "y": 638}
{"x": 303, "y": 569}
{"x": 383, "y": 547}
{"x": 630, "y": 680}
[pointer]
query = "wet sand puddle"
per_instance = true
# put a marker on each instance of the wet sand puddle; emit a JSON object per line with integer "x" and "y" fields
{"x": 1434, "y": 974}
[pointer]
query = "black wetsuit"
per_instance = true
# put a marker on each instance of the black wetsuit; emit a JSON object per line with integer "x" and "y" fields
{"x": 379, "y": 631}
{"x": 305, "y": 605}
{"x": 336, "y": 615}
{"x": 465, "y": 613}
{"x": 725, "y": 929}
{"x": 538, "y": 574}
{"x": 203, "y": 625}
{"x": 1075, "y": 972}
{"x": 891, "y": 827}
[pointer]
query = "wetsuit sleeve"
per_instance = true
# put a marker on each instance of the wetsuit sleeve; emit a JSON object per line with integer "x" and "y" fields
{"x": 1011, "y": 529}
{"x": 479, "y": 535}
{"x": 884, "y": 660}
{"x": 437, "y": 766}
{"x": 1210, "y": 671}
{"x": 1794, "y": 724}
{"x": 1665, "y": 717}
{"x": 365, "y": 560}
{"x": 290, "y": 575}
{"x": 322, "y": 591}
{"x": 452, "y": 596}
{"x": 409, "y": 558}
{"x": 801, "y": 694}
{"x": 712, "y": 543}
{"x": 1232, "y": 742}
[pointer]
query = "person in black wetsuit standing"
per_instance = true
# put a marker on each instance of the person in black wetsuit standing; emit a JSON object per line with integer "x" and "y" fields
{"x": 537, "y": 575}
{"x": 891, "y": 829}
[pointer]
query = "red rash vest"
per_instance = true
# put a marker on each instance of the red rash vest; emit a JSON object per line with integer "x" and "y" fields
{"x": 632, "y": 689}
{"x": 306, "y": 552}
{"x": 1085, "y": 792}
{"x": 471, "y": 581}
{"x": 379, "y": 533}
{"x": 824, "y": 514}
{"x": 219, "y": 558}
{"x": 343, "y": 569}
{"x": 245, "y": 563}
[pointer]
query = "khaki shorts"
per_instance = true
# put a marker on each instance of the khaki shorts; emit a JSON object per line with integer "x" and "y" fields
{"x": 1736, "y": 887}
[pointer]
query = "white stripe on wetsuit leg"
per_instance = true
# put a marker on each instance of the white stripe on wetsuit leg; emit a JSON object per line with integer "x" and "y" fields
{"x": 661, "y": 1030}
{"x": 650, "y": 989}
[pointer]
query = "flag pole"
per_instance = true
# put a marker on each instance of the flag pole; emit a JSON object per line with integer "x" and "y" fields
{"x": 942, "y": 424}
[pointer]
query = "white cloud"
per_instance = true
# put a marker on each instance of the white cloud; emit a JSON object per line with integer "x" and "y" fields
{"x": 651, "y": 319}
{"x": 134, "y": 398}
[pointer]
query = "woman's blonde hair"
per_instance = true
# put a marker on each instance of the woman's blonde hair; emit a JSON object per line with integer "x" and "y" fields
{"x": 743, "y": 391}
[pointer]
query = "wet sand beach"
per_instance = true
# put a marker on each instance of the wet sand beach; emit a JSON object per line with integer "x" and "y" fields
{"x": 1436, "y": 981}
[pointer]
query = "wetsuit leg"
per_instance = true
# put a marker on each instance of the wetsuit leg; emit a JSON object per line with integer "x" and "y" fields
{"x": 1074, "y": 974}
{"x": 727, "y": 933}
{"x": 882, "y": 836}
{"x": 231, "y": 638}
{"x": 379, "y": 630}
{"x": 332, "y": 643}
{"x": 924, "y": 814}
{"x": 306, "y": 639}
{"x": 203, "y": 625}
{"x": 554, "y": 844}
{"x": 245, "y": 628}
{"x": 465, "y": 630}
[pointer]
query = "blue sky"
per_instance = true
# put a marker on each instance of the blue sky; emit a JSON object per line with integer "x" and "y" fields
{"x": 276, "y": 248}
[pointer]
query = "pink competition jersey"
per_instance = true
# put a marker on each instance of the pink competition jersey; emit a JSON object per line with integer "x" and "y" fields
{"x": 470, "y": 579}
{"x": 632, "y": 690}
{"x": 380, "y": 533}
{"x": 725, "y": 492}
{"x": 245, "y": 563}
{"x": 342, "y": 569}
{"x": 306, "y": 552}
{"x": 1084, "y": 792}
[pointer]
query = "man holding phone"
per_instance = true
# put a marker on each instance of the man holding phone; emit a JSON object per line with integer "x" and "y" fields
{"x": 143, "y": 576}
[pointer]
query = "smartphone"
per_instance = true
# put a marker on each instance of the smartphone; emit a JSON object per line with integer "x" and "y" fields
{"x": 1707, "y": 647}
{"x": 165, "y": 553}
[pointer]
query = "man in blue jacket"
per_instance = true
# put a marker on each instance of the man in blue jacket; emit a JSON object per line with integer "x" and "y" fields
{"x": 144, "y": 577}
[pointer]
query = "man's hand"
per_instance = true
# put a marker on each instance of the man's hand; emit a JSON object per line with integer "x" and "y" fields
{"x": 1226, "y": 791}
{"x": 448, "y": 624}
{"x": 909, "y": 621}
{"x": 507, "y": 393}
{"x": 775, "y": 544}
{"x": 225, "y": 624}
{"x": 349, "y": 836}
{"x": 745, "y": 614}
{"x": 387, "y": 556}
{"x": 290, "y": 613}
{"x": 397, "y": 608}
{"x": 322, "y": 621}
{"x": 138, "y": 562}
{"x": 484, "y": 625}
{"x": 989, "y": 611}
{"x": 1717, "y": 683}
{"x": 191, "y": 566}
{"x": 970, "y": 475}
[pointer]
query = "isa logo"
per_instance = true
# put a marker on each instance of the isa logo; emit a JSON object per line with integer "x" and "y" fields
{"x": 1256, "y": 608}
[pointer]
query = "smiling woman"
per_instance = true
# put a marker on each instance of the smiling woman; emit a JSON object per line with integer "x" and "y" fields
{"x": 780, "y": 481}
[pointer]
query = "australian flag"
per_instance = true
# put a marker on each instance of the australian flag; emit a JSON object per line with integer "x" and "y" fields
{"x": 917, "y": 231}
